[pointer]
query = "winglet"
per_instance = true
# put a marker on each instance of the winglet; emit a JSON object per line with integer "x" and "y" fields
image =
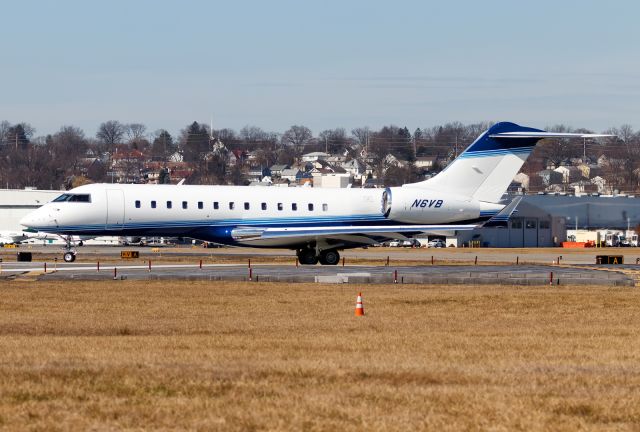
{"x": 501, "y": 219}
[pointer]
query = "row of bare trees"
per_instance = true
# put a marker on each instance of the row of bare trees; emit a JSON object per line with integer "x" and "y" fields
{"x": 50, "y": 161}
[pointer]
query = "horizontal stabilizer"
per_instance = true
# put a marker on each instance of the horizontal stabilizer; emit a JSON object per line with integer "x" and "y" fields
{"x": 541, "y": 135}
{"x": 502, "y": 218}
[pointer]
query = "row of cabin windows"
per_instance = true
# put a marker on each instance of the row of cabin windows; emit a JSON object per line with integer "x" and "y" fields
{"x": 232, "y": 205}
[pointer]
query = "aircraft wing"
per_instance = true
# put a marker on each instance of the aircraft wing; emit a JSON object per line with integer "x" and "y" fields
{"x": 365, "y": 235}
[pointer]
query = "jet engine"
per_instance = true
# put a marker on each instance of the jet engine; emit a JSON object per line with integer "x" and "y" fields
{"x": 424, "y": 206}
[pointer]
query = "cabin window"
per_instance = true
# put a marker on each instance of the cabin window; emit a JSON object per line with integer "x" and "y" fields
{"x": 231, "y": 205}
{"x": 246, "y": 206}
{"x": 169, "y": 204}
{"x": 216, "y": 206}
{"x": 153, "y": 204}
{"x": 184, "y": 205}
{"x": 294, "y": 206}
{"x": 516, "y": 224}
{"x": 325, "y": 207}
{"x": 137, "y": 203}
{"x": 531, "y": 224}
{"x": 310, "y": 207}
{"x": 544, "y": 224}
{"x": 280, "y": 206}
{"x": 200, "y": 205}
{"x": 264, "y": 206}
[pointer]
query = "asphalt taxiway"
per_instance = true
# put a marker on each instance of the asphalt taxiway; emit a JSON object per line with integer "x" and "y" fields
{"x": 436, "y": 274}
{"x": 374, "y": 265}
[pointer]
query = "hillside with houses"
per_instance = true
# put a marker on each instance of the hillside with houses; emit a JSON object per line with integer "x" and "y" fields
{"x": 127, "y": 153}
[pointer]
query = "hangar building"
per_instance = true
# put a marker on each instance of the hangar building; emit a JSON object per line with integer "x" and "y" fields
{"x": 16, "y": 203}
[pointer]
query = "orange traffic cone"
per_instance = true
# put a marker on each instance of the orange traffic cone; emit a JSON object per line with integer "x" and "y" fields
{"x": 359, "y": 306}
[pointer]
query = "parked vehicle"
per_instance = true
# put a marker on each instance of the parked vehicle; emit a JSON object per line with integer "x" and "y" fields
{"x": 437, "y": 243}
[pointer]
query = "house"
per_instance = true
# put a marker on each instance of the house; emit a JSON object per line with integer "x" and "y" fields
{"x": 336, "y": 159}
{"x": 601, "y": 184}
{"x": 127, "y": 165}
{"x": 523, "y": 179}
{"x": 569, "y": 174}
{"x": 603, "y": 161}
{"x": 353, "y": 167}
{"x": 590, "y": 170}
{"x": 257, "y": 173}
{"x": 217, "y": 146}
{"x": 290, "y": 174}
{"x": 425, "y": 163}
{"x": 332, "y": 180}
{"x": 176, "y": 157}
{"x": 314, "y": 156}
{"x": 91, "y": 167}
{"x": 390, "y": 160}
{"x": 238, "y": 157}
{"x": 550, "y": 177}
{"x": 276, "y": 170}
{"x": 519, "y": 185}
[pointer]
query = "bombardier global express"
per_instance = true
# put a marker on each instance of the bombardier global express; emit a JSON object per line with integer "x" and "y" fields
{"x": 315, "y": 222}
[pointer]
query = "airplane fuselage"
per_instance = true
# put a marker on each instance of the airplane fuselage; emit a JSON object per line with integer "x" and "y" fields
{"x": 217, "y": 213}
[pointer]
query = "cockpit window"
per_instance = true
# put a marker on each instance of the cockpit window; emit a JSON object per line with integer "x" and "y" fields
{"x": 62, "y": 198}
{"x": 73, "y": 198}
{"x": 80, "y": 198}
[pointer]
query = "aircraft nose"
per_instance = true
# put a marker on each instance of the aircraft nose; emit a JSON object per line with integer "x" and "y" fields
{"x": 37, "y": 219}
{"x": 27, "y": 221}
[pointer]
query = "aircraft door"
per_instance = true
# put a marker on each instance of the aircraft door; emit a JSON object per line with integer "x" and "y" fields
{"x": 115, "y": 209}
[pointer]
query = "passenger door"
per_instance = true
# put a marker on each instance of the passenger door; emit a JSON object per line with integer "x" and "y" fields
{"x": 115, "y": 209}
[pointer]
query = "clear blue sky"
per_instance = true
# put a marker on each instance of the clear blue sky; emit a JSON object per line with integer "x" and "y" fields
{"x": 322, "y": 64}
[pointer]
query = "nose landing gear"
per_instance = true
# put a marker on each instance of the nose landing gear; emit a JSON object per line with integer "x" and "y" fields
{"x": 69, "y": 256}
{"x": 69, "y": 251}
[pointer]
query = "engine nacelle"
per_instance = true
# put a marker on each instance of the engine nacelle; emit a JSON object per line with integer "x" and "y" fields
{"x": 424, "y": 206}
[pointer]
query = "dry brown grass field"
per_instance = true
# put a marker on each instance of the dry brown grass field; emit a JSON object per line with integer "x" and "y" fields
{"x": 241, "y": 356}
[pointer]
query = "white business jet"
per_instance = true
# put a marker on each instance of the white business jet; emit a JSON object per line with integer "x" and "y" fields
{"x": 317, "y": 223}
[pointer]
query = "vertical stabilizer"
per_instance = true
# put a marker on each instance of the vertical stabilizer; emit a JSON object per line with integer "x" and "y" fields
{"x": 487, "y": 167}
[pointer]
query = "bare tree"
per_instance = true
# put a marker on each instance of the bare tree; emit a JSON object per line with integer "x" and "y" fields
{"x": 110, "y": 133}
{"x": 297, "y": 137}
{"x": 252, "y": 134}
{"x": 67, "y": 146}
{"x": 333, "y": 140}
{"x": 361, "y": 135}
{"x": 135, "y": 131}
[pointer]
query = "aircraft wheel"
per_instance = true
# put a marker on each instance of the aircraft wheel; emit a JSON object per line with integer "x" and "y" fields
{"x": 307, "y": 256}
{"x": 329, "y": 257}
{"x": 69, "y": 257}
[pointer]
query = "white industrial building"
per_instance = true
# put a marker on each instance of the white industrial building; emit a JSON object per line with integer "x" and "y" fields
{"x": 17, "y": 203}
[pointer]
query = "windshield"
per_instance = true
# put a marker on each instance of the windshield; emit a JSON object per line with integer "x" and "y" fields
{"x": 73, "y": 198}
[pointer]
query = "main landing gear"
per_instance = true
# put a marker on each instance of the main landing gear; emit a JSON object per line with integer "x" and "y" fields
{"x": 309, "y": 256}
